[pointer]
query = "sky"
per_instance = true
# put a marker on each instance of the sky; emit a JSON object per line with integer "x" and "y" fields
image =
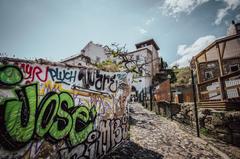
{"x": 57, "y": 29}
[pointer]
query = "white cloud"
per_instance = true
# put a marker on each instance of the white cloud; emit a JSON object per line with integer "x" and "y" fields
{"x": 181, "y": 50}
{"x": 221, "y": 13}
{"x": 175, "y": 7}
{"x": 142, "y": 31}
{"x": 149, "y": 21}
{"x": 238, "y": 17}
{"x": 187, "y": 52}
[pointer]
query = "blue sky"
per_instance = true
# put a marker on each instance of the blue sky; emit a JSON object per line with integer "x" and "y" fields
{"x": 59, "y": 28}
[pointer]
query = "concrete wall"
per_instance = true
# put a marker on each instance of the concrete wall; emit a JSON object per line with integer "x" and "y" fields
{"x": 49, "y": 110}
{"x": 141, "y": 83}
{"x": 144, "y": 57}
{"x": 155, "y": 57}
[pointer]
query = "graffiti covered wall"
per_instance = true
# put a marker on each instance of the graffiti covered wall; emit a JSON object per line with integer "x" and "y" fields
{"x": 50, "y": 110}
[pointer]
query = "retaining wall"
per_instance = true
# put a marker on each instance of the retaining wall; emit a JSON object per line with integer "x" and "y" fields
{"x": 51, "y": 110}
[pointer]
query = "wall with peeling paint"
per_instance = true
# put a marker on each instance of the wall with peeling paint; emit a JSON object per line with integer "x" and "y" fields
{"x": 50, "y": 110}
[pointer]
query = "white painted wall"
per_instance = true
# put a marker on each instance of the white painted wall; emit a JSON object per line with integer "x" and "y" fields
{"x": 142, "y": 83}
{"x": 95, "y": 51}
{"x": 144, "y": 57}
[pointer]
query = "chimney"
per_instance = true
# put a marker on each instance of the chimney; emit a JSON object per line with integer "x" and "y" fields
{"x": 232, "y": 29}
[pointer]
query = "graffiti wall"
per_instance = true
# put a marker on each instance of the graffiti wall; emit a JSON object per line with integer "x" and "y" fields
{"x": 50, "y": 110}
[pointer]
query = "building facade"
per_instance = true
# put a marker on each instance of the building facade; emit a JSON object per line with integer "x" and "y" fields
{"x": 218, "y": 72}
{"x": 89, "y": 55}
{"x": 146, "y": 54}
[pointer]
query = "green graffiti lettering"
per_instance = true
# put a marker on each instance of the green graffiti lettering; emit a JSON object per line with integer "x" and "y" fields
{"x": 82, "y": 125}
{"x": 19, "y": 116}
{"x": 55, "y": 118}
{"x": 10, "y": 75}
{"x": 47, "y": 111}
{"x": 63, "y": 121}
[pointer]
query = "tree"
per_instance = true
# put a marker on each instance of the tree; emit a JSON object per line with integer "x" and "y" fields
{"x": 173, "y": 75}
{"x": 124, "y": 61}
{"x": 163, "y": 74}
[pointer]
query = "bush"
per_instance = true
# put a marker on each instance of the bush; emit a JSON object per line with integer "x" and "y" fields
{"x": 204, "y": 131}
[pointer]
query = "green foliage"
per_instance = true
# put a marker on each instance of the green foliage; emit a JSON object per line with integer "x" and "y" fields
{"x": 109, "y": 65}
{"x": 183, "y": 75}
{"x": 158, "y": 78}
{"x": 173, "y": 76}
{"x": 124, "y": 62}
{"x": 204, "y": 131}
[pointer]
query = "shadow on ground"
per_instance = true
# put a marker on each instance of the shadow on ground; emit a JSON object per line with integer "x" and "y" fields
{"x": 130, "y": 150}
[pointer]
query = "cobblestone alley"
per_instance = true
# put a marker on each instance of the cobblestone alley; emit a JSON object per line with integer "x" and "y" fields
{"x": 152, "y": 136}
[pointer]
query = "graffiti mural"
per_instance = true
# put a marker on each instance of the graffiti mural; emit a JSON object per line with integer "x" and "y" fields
{"x": 99, "y": 142}
{"x": 57, "y": 111}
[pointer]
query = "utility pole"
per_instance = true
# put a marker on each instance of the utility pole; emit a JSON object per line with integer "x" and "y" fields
{"x": 195, "y": 103}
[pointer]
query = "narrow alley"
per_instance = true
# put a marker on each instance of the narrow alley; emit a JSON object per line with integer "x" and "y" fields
{"x": 152, "y": 137}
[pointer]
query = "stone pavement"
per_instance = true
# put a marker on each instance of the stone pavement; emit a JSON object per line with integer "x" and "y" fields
{"x": 153, "y": 137}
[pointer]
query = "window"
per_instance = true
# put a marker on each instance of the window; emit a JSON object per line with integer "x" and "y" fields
{"x": 144, "y": 45}
{"x": 137, "y": 57}
{"x": 208, "y": 75}
{"x": 234, "y": 68}
{"x": 211, "y": 65}
{"x": 97, "y": 59}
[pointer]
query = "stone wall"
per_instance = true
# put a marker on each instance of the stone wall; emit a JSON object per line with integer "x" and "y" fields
{"x": 186, "y": 114}
{"x": 51, "y": 110}
{"x": 222, "y": 125}
{"x": 165, "y": 108}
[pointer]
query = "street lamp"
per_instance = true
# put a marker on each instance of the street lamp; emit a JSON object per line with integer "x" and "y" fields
{"x": 169, "y": 78}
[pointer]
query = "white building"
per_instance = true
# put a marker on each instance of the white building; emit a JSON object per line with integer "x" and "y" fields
{"x": 90, "y": 54}
{"x": 146, "y": 53}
